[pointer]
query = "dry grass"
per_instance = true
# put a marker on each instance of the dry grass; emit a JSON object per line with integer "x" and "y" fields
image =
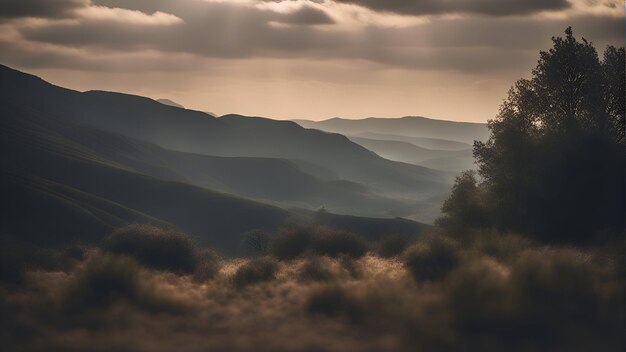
{"x": 539, "y": 298}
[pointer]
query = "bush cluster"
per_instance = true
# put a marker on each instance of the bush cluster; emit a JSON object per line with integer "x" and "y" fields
{"x": 107, "y": 280}
{"x": 315, "y": 269}
{"x": 154, "y": 247}
{"x": 334, "y": 301}
{"x": 432, "y": 259}
{"x": 290, "y": 243}
{"x": 254, "y": 271}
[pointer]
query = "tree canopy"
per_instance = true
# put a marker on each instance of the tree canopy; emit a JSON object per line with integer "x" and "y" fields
{"x": 553, "y": 166}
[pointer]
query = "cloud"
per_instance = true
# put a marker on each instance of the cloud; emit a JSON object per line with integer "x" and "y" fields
{"x": 102, "y": 13}
{"x": 220, "y": 30}
{"x": 480, "y": 7}
{"x": 160, "y": 30}
{"x": 39, "y": 8}
{"x": 307, "y": 16}
{"x": 209, "y": 30}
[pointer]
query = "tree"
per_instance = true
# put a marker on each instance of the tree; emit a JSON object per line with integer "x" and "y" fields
{"x": 506, "y": 160}
{"x": 614, "y": 89}
{"x": 553, "y": 165}
{"x": 568, "y": 86}
{"x": 464, "y": 207}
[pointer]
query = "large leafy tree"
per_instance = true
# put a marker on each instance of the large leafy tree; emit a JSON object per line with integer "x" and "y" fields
{"x": 613, "y": 87}
{"x": 553, "y": 166}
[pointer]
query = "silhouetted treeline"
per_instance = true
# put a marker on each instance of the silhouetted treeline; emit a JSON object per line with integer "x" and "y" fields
{"x": 553, "y": 166}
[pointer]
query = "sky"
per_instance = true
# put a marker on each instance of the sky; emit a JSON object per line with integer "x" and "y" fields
{"x": 291, "y": 59}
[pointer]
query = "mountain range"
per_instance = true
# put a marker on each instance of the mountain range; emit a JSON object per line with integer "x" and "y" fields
{"x": 77, "y": 164}
{"x": 409, "y": 126}
{"x": 441, "y": 145}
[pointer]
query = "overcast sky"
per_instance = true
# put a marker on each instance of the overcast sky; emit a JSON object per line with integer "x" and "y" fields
{"x": 315, "y": 59}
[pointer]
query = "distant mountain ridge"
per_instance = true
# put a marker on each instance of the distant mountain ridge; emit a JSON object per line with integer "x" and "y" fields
{"x": 423, "y": 142}
{"x": 435, "y": 144}
{"x": 409, "y": 126}
{"x": 445, "y": 160}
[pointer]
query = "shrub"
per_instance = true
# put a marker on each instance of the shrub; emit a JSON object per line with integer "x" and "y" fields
{"x": 336, "y": 243}
{"x": 154, "y": 247}
{"x": 432, "y": 260}
{"x": 290, "y": 243}
{"x": 254, "y": 271}
{"x": 391, "y": 246}
{"x": 350, "y": 265}
{"x": 548, "y": 299}
{"x": 207, "y": 267}
{"x": 478, "y": 296}
{"x": 109, "y": 279}
{"x": 104, "y": 280}
{"x": 558, "y": 284}
{"x": 315, "y": 269}
{"x": 334, "y": 301}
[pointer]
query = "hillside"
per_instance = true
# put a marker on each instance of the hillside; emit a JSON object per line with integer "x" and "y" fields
{"x": 445, "y": 160}
{"x": 63, "y": 181}
{"x": 230, "y": 136}
{"x": 281, "y": 181}
{"x": 411, "y": 126}
{"x": 55, "y": 190}
{"x": 424, "y": 142}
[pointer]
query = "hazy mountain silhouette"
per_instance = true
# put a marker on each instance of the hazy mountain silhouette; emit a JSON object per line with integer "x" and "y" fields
{"x": 413, "y": 126}
{"x": 348, "y": 160}
{"x": 55, "y": 189}
{"x": 231, "y": 135}
{"x": 410, "y": 153}
{"x": 424, "y": 142}
{"x": 279, "y": 180}
{"x": 64, "y": 179}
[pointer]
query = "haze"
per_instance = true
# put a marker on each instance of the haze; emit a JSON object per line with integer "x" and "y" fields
{"x": 311, "y": 59}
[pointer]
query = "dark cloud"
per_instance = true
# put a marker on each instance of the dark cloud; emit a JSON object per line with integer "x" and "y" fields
{"x": 39, "y": 8}
{"x": 308, "y": 16}
{"x": 482, "y": 7}
{"x": 498, "y": 33}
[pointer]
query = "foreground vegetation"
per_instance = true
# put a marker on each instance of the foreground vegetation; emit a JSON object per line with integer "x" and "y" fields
{"x": 481, "y": 292}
